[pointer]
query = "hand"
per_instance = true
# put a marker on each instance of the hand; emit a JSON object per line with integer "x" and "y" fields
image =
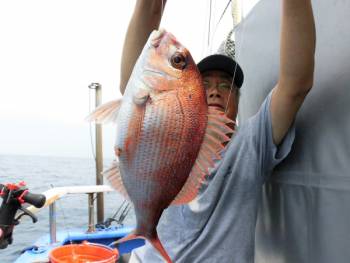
{"x": 146, "y": 18}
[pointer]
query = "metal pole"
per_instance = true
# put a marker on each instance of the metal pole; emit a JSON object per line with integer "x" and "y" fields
{"x": 99, "y": 154}
{"x": 52, "y": 220}
{"x": 91, "y": 225}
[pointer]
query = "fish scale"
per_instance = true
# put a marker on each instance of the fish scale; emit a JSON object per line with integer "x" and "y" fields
{"x": 154, "y": 153}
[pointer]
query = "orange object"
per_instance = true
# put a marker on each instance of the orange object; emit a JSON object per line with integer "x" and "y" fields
{"x": 83, "y": 253}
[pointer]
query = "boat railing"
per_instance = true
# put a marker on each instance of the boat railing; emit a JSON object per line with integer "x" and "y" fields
{"x": 54, "y": 194}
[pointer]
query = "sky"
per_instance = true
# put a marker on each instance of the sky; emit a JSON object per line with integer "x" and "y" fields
{"x": 51, "y": 51}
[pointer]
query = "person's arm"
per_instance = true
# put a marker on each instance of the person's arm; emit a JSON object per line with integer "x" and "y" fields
{"x": 298, "y": 40}
{"x": 146, "y": 18}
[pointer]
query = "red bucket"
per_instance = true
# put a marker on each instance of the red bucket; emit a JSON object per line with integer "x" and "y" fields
{"x": 82, "y": 253}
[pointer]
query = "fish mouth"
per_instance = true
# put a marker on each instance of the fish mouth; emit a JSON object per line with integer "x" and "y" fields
{"x": 156, "y": 37}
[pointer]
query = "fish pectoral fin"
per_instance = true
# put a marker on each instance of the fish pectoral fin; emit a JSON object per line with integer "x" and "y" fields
{"x": 141, "y": 96}
{"x": 215, "y": 136}
{"x": 105, "y": 113}
{"x": 114, "y": 178}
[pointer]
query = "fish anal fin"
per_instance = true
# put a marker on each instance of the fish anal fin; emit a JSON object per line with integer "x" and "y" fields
{"x": 107, "y": 112}
{"x": 214, "y": 139}
{"x": 114, "y": 177}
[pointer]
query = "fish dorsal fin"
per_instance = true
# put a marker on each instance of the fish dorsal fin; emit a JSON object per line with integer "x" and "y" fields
{"x": 107, "y": 112}
{"x": 114, "y": 178}
{"x": 215, "y": 136}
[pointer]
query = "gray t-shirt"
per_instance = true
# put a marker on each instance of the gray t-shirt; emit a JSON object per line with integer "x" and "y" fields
{"x": 219, "y": 225}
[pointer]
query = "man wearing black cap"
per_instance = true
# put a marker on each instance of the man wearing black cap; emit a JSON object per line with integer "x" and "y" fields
{"x": 217, "y": 72}
{"x": 219, "y": 225}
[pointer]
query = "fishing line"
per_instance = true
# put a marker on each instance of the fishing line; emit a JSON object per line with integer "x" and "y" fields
{"x": 205, "y": 33}
{"x": 210, "y": 35}
{"x": 242, "y": 41}
{"x": 217, "y": 25}
{"x": 222, "y": 15}
{"x": 65, "y": 224}
{"x": 210, "y": 7}
{"x": 240, "y": 48}
{"x": 69, "y": 236}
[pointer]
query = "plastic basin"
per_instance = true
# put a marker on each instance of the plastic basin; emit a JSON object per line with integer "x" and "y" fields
{"x": 83, "y": 253}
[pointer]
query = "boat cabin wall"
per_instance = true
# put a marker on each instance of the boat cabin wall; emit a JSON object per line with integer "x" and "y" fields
{"x": 303, "y": 217}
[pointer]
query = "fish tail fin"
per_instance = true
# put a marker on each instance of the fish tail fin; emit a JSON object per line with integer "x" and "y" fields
{"x": 154, "y": 241}
{"x": 159, "y": 247}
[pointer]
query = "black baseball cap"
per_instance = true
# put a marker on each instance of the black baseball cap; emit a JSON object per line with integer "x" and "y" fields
{"x": 224, "y": 63}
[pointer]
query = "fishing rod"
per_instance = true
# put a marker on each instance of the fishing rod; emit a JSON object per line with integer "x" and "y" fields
{"x": 122, "y": 211}
{"x": 14, "y": 196}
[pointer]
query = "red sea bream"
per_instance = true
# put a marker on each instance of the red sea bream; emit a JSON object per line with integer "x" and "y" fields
{"x": 167, "y": 137}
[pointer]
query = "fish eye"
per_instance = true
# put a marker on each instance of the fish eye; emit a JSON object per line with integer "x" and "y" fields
{"x": 178, "y": 61}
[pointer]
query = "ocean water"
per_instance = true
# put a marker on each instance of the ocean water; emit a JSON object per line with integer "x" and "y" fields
{"x": 42, "y": 173}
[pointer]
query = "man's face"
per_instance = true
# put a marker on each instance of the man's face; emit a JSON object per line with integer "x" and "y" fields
{"x": 219, "y": 93}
